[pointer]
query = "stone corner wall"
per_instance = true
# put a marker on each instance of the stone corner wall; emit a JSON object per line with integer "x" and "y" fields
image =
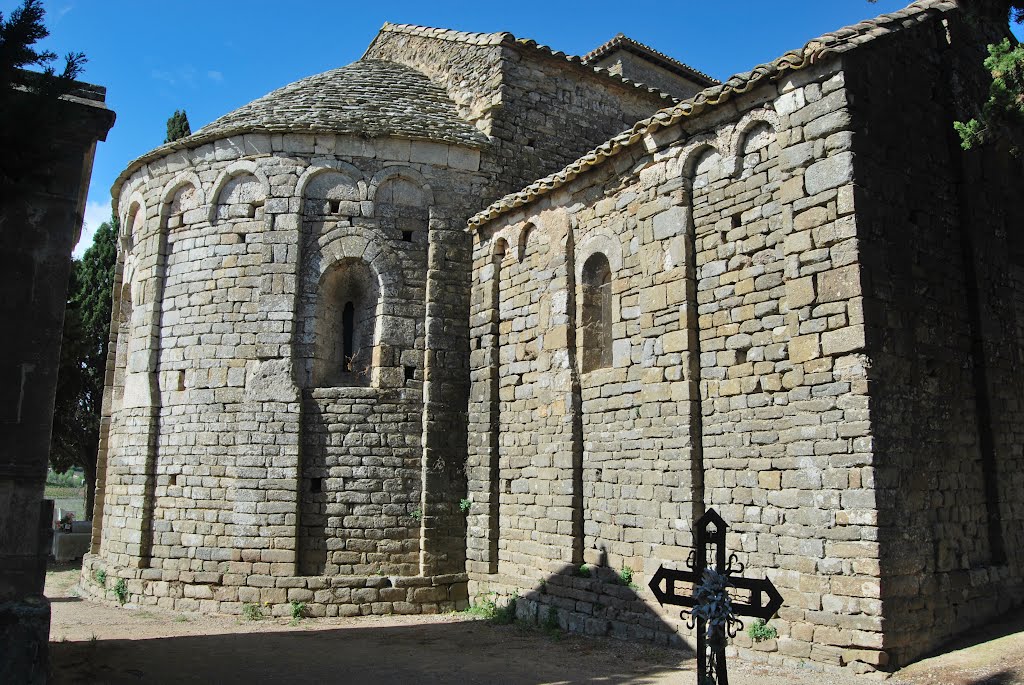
{"x": 736, "y": 377}
{"x": 943, "y": 304}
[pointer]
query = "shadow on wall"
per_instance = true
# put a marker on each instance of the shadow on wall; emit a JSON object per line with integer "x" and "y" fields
{"x": 597, "y": 600}
{"x": 460, "y": 651}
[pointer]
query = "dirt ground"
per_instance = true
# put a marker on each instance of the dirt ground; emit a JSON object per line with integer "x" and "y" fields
{"x": 96, "y": 643}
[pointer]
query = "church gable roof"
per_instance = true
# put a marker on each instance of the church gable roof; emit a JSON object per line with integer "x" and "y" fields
{"x": 816, "y": 50}
{"x": 624, "y": 42}
{"x": 526, "y": 45}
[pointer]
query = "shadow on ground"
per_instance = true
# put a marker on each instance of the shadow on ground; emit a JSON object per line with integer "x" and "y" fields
{"x": 425, "y": 653}
{"x": 1001, "y": 678}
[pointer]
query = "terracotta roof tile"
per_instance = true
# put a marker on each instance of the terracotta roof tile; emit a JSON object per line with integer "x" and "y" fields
{"x": 814, "y": 51}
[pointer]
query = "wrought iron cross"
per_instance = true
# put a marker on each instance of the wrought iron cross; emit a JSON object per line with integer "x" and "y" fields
{"x": 710, "y": 532}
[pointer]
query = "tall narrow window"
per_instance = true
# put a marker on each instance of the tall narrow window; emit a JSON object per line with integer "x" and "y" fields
{"x": 348, "y": 321}
{"x": 597, "y": 313}
{"x": 346, "y": 325}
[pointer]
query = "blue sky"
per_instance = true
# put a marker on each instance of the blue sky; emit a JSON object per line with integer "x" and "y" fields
{"x": 213, "y": 56}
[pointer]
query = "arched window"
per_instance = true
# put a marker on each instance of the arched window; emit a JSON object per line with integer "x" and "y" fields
{"x": 597, "y": 313}
{"x": 346, "y": 325}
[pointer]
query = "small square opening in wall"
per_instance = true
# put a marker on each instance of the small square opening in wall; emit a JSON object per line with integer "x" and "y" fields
{"x": 407, "y": 236}
{"x": 180, "y": 381}
{"x": 334, "y": 206}
{"x": 410, "y": 372}
{"x": 174, "y": 479}
{"x": 316, "y": 485}
{"x": 736, "y": 221}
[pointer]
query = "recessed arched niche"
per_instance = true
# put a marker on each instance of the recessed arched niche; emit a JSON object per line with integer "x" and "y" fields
{"x": 402, "y": 207}
{"x": 345, "y": 328}
{"x": 241, "y": 197}
{"x": 331, "y": 194}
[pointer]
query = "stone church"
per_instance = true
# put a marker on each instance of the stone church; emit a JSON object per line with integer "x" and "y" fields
{"x": 363, "y": 358}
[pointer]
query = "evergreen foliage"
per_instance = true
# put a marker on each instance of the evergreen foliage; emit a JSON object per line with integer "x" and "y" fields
{"x": 177, "y": 126}
{"x": 1002, "y": 115}
{"x": 29, "y": 107}
{"x": 83, "y": 358}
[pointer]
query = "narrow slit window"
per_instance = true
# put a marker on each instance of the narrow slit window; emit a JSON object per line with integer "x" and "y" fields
{"x": 348, "y": 322}
{"x": 597, "y": 313}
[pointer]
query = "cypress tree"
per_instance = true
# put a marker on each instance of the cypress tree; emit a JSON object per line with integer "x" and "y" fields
{"x": 177, "y": 126}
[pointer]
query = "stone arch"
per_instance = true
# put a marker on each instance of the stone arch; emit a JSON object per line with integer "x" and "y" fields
{"x": 499, "y": 249}
{"x": 133, "y": 221}
{"x": 349, "y": 245}
{"x": 369, "y": 247}
{"x": 228, "y": 180}
{"x": 604, "y": 243}
{"x": 397, "y": 171}
{"x": 755, "y": 132}
{"x": 528, "y": 229}
{"x": 402, "y": 202}
{"x": 694, "y": 152}
{"x": 707, "y": 166}
{"x": 330, "y": 181}
{"x": 182, "y": 193}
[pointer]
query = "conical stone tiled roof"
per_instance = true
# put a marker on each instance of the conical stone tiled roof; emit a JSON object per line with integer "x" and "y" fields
{"x": 370, "y": 98}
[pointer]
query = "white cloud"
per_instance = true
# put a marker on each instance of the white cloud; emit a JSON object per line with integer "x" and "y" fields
{"x": 215, "y": 76}
{"x": 180, "y": 76}
{"x": 95, "y": 214}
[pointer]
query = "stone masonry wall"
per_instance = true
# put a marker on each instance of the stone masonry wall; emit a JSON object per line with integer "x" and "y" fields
{"x": 541, "y": 111}
{"x": 736, "y": 379}
{"x": 217, "y": 428}
{"x": 943, "y": 308}
{"x": 639, "y": 70}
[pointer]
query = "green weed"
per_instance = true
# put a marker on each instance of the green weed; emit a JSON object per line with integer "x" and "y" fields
{"x": 487, "y": 608}
{"x": 121, "y": 591}
{"x": 252, "y": 612}
{"x": 759, "y": 631}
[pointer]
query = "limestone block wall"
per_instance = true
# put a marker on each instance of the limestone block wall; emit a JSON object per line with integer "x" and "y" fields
{"x": 736, "y": 378}
{"x": 640, "y": 70}
{"x": 943, "y": 303}
{"x": 541, "y": 110}
{"x": 239, "y": 468}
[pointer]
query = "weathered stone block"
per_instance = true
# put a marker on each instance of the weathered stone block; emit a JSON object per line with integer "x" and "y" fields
{"x": 803, "y": 348}
{"x": 800, "y": 292}
{"x": 829, "y": 173}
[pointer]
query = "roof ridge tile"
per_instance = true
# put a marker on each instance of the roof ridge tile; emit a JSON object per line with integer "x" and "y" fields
{"x": 622, "y": 39}
{"x": 812, "y": 52}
